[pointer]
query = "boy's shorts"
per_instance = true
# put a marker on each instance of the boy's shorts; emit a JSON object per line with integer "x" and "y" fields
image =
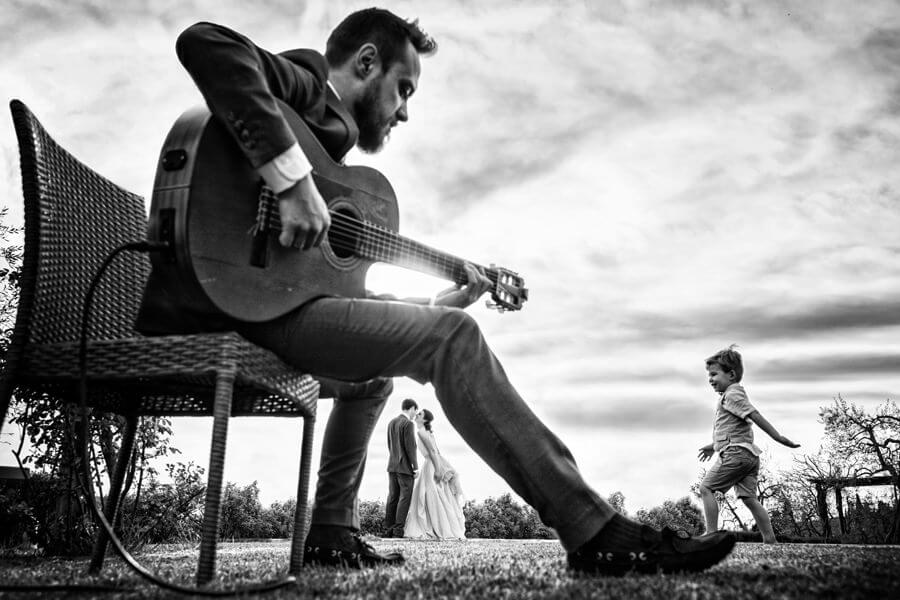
{"x": 737, "y": 467}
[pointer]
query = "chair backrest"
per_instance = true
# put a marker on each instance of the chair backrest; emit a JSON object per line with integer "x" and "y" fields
{"x": 74, "y": 218}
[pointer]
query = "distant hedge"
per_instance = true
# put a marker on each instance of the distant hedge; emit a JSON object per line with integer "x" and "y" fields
{"x": 495, "y": 518}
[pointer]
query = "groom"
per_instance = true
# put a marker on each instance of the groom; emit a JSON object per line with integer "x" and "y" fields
{"x": 402, "y": 468}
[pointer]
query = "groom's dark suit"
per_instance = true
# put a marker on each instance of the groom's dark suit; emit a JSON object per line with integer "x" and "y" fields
{"x": 402, "y": 466}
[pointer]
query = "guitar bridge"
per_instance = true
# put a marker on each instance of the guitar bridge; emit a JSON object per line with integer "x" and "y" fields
{"x": 266, "y": 216}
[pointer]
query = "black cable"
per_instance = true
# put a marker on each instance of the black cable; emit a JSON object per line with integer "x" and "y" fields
{"x": 61, "y": 587}
{"x": 87, "y": 484}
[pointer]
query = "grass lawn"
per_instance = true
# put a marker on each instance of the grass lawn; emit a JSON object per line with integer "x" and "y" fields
{"x": 493, "y": 569}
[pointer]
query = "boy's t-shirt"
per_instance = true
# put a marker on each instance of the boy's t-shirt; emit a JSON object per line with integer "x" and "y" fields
{"x": 732, "y": 428}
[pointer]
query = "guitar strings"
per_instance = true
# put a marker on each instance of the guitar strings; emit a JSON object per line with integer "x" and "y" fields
{"x": 386, "y": 244}
{"x": 379, "y": 238}
{"x": 348, "y": 233}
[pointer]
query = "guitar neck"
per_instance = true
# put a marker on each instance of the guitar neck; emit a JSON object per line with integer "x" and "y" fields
{"x": 349, "y": 235}
{"x": 383, "y": 245}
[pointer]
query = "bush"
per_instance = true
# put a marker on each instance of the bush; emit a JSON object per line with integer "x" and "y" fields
{"x": 680, "y": 515}
{"x": 371, "y": 517}
{"x": 241, "y": 513}
{"x": 17, "y": 522}
{"x": 503, "y": 518}
{"x": 500, "y": 518}
{"x": 44, "y": 511}
{"x": 279, "y": 518}
{"x": 165, "y": 512}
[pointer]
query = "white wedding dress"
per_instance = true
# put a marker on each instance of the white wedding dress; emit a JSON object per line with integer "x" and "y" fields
{"x": 435, "y": 511}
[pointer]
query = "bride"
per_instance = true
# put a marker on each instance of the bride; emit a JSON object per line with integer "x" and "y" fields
{"x": 435, "y": 511}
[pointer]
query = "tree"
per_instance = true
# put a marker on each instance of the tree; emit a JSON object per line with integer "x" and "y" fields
{"x": 10, "y": 271}
{"x": 241, "y": 515}
{"x": 873, "y": 442}
{"x": 795, "y": 509}
{"x": 617, "y": 501}
{"x": 874, "y": 439}
{"x": 859, "y": 448}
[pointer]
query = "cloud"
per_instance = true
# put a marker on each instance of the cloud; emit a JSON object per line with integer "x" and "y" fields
{"x": 669, "y": 177}
{"x": 845, "y": 319}
{"x": 635, "y": 415}
{"x": 833, "y": 366}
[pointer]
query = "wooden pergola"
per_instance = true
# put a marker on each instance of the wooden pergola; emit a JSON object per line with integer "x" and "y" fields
{"x": 12, "y": 474}
{"x": 823, "y": 484}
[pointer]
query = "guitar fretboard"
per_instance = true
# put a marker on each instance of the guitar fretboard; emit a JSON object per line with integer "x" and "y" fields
{"x": 377, "y": 243}
{"x": 349, "y": 235}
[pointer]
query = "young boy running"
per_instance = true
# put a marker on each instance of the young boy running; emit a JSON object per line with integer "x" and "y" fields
{"x": 738, "y": 464}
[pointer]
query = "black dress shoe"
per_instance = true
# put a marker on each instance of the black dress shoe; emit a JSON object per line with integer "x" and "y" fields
{"x": 663, "y": 551}
{"x": 342, "y": 547}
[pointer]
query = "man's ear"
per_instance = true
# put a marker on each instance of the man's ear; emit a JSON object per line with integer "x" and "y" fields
{"x": 367, "y": 60}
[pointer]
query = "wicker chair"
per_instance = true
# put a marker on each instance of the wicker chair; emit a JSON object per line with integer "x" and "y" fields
{"x": 73, "y": 219}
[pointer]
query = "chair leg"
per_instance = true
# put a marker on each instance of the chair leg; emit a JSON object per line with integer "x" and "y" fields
{"x": 115, "y": 491}
{"x": 206, "y": 568}
{"x": 301, "y": 517}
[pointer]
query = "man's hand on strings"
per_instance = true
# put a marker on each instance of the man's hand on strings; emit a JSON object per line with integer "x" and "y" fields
{"x": 304, "y": 215}
{"x": 461, "y": 296}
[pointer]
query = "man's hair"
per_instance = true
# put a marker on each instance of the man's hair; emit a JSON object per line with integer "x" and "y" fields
{"x": 384, "y": 29}
{"x": 729, "y": 359}
{"x": 408, "y": 404}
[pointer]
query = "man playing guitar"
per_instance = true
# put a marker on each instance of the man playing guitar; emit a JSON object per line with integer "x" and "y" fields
{"x": 356, "y": 94}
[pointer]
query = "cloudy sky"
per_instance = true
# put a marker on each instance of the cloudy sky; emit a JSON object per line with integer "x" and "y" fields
{"x": 669, "y": 177}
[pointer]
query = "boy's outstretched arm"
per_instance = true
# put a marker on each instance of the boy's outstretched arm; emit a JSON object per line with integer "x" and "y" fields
{"x": 705, "y": 452}
{"x": 764, "y": 424}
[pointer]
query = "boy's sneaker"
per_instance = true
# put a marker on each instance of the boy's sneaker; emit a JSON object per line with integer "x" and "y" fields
{"x": 652, "y": 551}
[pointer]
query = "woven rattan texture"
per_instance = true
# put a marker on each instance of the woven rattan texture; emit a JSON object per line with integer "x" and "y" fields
{"x": 74, "y": 218}
{"x": 81, "y": 217}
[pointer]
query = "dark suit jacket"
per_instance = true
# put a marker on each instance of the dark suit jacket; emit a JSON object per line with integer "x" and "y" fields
{"x": 240, "y": 82}
{"x": 402, "y": 446}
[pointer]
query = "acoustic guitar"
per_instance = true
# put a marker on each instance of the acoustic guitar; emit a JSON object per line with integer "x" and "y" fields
{"x": 222, "y": 223}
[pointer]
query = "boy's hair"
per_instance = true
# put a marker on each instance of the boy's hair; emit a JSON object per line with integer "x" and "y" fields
{"x": 408, "y": 404}
{"x": 381, "y": 27}
{"x": 730, "y": 360}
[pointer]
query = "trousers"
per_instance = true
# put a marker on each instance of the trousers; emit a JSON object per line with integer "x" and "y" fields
{"x": 399, "y": 498}
{"x": 354, "y": 345}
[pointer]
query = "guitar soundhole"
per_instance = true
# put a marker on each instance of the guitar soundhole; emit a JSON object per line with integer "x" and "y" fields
{"x": 343, "y": 237}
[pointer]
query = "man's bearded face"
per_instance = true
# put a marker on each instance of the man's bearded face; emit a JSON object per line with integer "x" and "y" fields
{"x": 372, "y": 118}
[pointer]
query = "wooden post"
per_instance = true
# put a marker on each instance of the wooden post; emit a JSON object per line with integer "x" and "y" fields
{"x": 839, "y": 503}
{"x": 822, "y": 504}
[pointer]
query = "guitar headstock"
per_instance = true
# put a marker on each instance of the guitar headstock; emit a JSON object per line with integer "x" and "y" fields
{"x": 509, "y": 291}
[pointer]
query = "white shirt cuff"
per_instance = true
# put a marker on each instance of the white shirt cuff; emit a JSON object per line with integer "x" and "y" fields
{"x": 286, "y": 169}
